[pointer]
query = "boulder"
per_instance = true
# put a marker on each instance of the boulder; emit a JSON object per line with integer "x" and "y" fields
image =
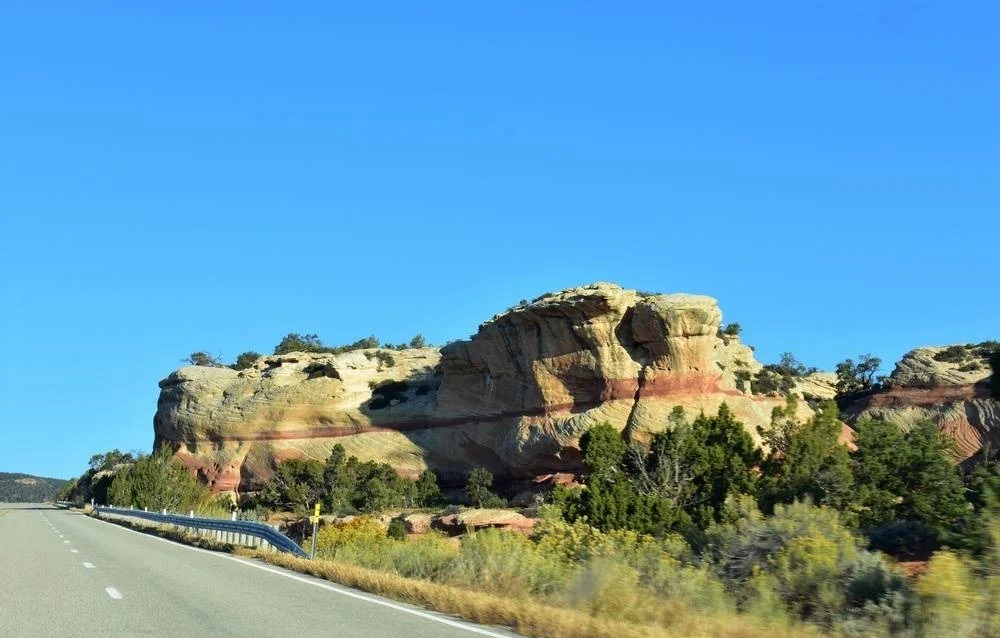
{"x": 475, "y": 519}
{"x": 514, "y": 398}
{"x": 417, "y": 523}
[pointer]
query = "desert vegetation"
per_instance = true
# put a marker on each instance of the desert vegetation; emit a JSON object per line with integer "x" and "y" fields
{"x": 154, "y": 481}
{"x": 697, "y": 532}
{"x": 345, "y": 485}
{"x": 861, "y": 376}
{"x": 296, "y": 342}
{"x": 780, "y": 378}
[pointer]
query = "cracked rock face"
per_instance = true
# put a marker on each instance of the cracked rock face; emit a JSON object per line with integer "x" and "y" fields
{"x": 514, "y": 398}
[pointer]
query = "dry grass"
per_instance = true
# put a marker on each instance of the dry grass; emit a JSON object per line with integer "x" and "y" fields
{"x": 524, "y": 616}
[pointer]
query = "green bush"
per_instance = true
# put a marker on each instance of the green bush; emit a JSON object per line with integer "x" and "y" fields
{"x": 428, "y": 556}
{"x": 156, "y": 482}
{"x": 877, "y": 595}
{"x": 396, "y": 530}
{"x": 743, "y": 378}
{"x": 500, "y": 562}
{"x": 477, "y": 489}
{"x": 296, "y": 485}
{"x": 678, "y": 484}
{"x": 805, "y": 460}
{"x": 385, "y": 358}
{"x": 907, "y": 477}
{"x": 203, "y": 359}
{"x": 295, "y": 342}
{"x": 245, "y": 360}
{"x": 345, "y": 538}
{"x": 907, "y": 540}
{"x": 857, "y": 377}
{"x": 804, "y": 552}
{"x": 426, "y": 491}
{"x": 781, "y": 377}
{"x": 343, "y": 484}
{"x": 948, "y": 598}
{"x": 953, "y": 354}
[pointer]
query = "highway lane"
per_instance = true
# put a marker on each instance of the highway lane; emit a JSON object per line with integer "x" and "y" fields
{"x": 65, "y": 574}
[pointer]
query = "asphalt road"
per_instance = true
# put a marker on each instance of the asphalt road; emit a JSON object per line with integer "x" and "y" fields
{"x": 65, "y": 574}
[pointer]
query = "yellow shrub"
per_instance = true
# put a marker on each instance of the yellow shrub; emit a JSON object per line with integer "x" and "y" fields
{"x": 506, "y": 563}
{"x": 363, "y": 531}
{"x": 948, "y": 598}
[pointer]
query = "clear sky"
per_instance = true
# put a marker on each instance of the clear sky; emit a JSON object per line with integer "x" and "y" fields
{"x": 180, "y": 176}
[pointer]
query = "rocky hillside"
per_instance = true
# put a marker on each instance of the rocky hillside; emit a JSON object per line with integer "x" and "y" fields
{"x": 948, "y": 385}
{"x": 514, "y": 398}
{"x": 518, "y": 394}
{"x": 24, "y": 488}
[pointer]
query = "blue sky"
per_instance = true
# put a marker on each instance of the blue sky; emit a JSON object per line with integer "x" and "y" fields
{"x": 178, "y": 176}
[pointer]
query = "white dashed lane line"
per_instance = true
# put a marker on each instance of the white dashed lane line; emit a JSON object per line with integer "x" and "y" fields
{"x": 114, "y": 593}
{"x": 88, "y": 565}
{"x": 67, "y": 542}
{"x": 75, "y": 551}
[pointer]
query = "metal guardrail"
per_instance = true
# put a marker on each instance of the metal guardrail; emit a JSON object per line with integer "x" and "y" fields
{"x": 236, "y": 532}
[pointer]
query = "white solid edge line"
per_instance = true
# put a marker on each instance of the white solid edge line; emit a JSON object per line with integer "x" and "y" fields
{"x": 114, "y": 593}
{"x": 328, "y": 587}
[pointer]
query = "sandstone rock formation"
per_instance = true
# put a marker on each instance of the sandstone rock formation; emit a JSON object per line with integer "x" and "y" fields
{"x": 949, "y": 386}
{"x": 514, "y": 398}
{"x": 476, "y": 519}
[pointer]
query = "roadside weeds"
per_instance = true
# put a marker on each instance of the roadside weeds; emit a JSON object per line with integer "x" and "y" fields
{"x": 523, "y": 616}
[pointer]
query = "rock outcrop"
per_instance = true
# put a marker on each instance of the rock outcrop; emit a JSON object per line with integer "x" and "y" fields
{"x": 476, "y": 519}
{"x": 949, "y": 386}
{"x": 514, "y": 398}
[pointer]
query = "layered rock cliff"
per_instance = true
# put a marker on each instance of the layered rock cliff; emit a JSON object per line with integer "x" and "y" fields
{"x": 950, "y": 386}
{"x": 515, "y": 397}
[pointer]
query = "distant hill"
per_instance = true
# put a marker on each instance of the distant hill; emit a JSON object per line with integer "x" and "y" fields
{"x": 24, "y": 488}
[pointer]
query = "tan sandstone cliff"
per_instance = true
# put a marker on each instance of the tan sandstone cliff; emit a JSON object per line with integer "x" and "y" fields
{"x": 949, "y": 386}
{"x": 515, "y": 397}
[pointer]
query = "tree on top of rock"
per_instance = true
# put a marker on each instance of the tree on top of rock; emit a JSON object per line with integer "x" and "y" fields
{"x": 204, "y": 359}
{"x": 245, "y": 360}
{"x": 857, "y": 377}
{"x": 295, "y": 342}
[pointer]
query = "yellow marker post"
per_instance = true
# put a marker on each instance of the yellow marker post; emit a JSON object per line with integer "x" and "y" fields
{"x": 315, "y": 521}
